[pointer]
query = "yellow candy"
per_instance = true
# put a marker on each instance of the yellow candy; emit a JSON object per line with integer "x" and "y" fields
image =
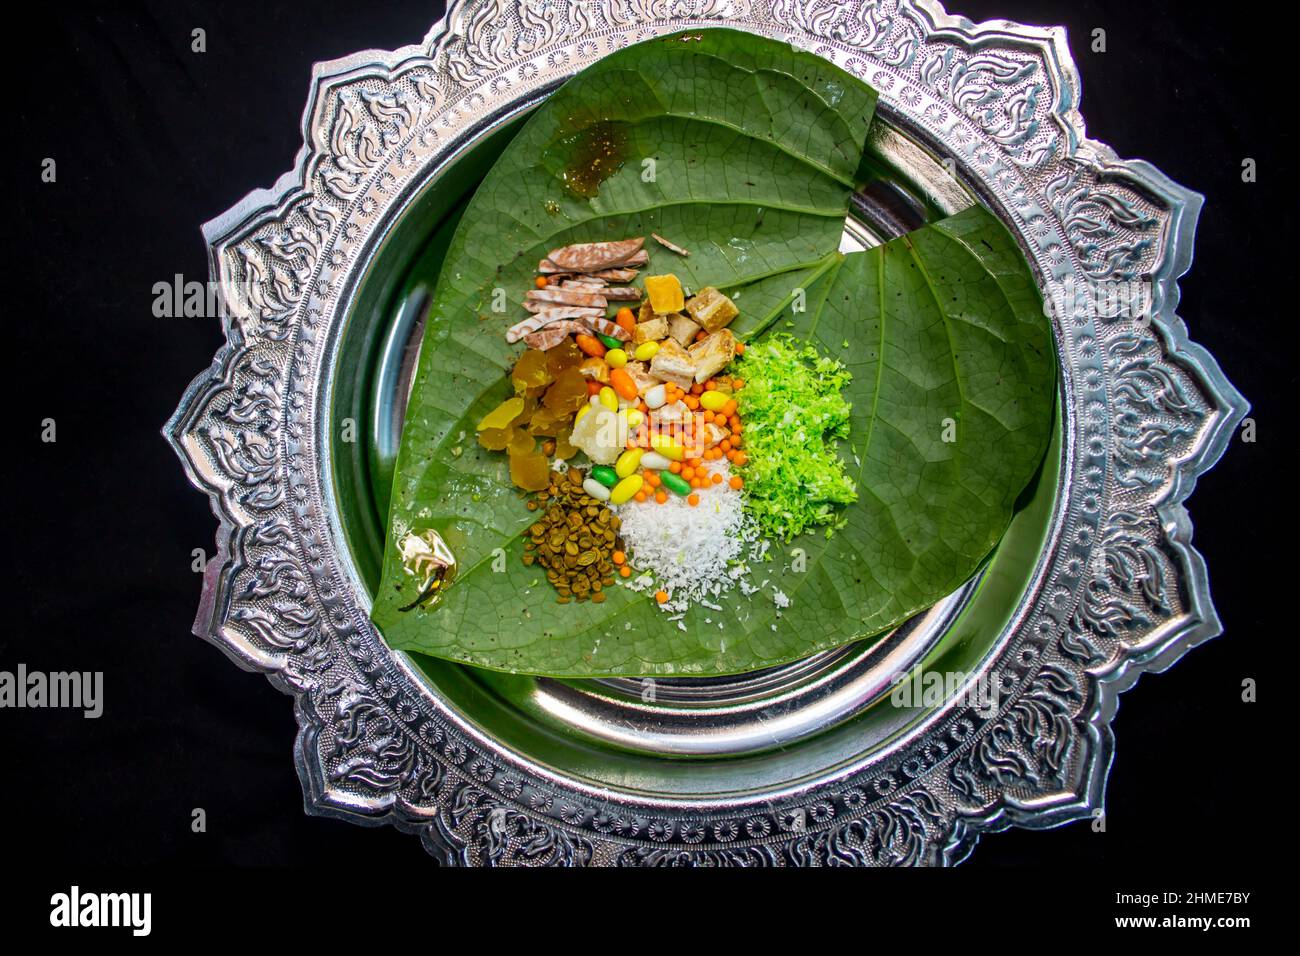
{"x": 582, "y": 411}
{"x": 713, "y": 401}
{"x": 617, "y": 358}
{"x": 645, "y": 351}
{"x": 667, "y": 447}
{"x": 634, "y": 417}
{"x": 609, "y": 398}
{"x": 626, "y": 489}
{"x": 628, "y": 462}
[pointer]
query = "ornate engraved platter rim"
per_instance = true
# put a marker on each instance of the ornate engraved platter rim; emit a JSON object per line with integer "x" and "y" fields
{"x": 993, "y": 76}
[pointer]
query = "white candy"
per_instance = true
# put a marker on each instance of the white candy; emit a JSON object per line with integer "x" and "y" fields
{"x": 594, "y": 488}
{"x": 654, "y": 461}
{"x": 601, "y": 434}
{"x": 656, "y": 397}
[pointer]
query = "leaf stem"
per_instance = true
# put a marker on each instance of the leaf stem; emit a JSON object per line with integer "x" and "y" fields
{"x": 823, "y": 265}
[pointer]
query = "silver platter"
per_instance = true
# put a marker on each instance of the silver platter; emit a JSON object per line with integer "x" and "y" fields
{"x": 791, "y": 768}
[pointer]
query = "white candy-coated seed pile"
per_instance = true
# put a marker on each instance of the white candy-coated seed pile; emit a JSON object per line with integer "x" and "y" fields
{"x": 693, "y": 552}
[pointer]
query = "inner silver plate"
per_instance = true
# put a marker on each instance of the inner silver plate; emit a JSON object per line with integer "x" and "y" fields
{"x": 778, "y": 706}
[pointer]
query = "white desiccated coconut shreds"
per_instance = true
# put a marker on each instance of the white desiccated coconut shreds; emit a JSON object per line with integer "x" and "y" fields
{"x": 695, "y": 553}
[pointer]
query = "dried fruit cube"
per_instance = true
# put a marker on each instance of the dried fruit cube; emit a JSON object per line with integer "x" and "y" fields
{"x": 683, "y": 329}
{"x": 713, "y": 434}
{"x": 595, "y": 368}
{"x": 674, "y": 413}
{"x": 641, "y": 376}
{"x": 652, "y": 331}
{"x": 672, "y": 363}
{"x": 549, "y": 421}
{"x": 711, "y": 309}
{"x": 526, "y": 413}
{"x": 563, "y": 448}
{"x": 713, "y": 354}
{"x": 521, "y": 443}
{"x": 665, "y": 294}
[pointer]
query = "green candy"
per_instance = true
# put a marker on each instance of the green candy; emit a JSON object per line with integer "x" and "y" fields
{"x": 610, "y": 341}
{"x": 606, "y": 475}
{"x": 675, "y": 483}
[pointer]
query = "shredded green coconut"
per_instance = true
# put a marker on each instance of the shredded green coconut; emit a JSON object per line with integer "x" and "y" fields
{"x": 794, "y": 415}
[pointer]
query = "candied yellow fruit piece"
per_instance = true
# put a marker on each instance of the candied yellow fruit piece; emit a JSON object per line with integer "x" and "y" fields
{"x": 503, "y": 414}
{"x": 531, "y": 371}
{"x": 496, "y": 439}
{"x": 665, "y": 294}
{"x": 521, "y": 443}
{"x": 526, "y": 413}
{"x": 568, "y": 393}
{"x": 530, "y": 472}
{"x": 566, "y": 355}
{"x": 548, "y": 421}
{"x": 563, "y": 449}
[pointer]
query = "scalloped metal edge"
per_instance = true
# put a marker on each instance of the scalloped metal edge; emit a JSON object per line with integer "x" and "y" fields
{"x": 1200, "y": 622}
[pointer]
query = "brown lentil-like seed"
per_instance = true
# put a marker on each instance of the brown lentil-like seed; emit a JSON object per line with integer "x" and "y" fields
{"x": 573, "y": 539}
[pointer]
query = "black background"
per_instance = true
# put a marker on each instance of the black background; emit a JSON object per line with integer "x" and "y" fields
{"x": 151, "y": 140}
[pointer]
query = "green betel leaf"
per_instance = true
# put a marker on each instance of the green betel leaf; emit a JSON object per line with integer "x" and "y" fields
{"x": 756, "y": 148}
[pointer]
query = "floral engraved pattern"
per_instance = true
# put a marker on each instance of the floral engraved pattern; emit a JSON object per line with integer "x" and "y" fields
{"x": 1028, "y": 746}
{"x": 511, "y": 837}
{"x": 1156, "y": 413}
{"x": 897, "y": 834}
{"x": 1129, "y": 591}
{"x": 1114, "y": 233}
{"x": 1149, "y": 413}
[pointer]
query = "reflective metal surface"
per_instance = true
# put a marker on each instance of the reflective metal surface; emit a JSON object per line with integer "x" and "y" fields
{"x": 731, "y": 716}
